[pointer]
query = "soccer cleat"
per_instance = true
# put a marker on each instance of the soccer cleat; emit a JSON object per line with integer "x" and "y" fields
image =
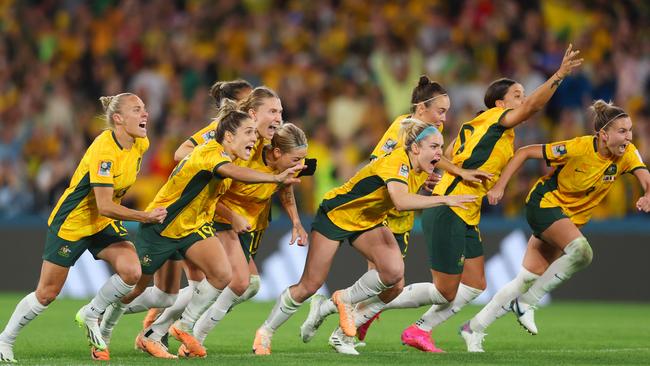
{"x": 262, "y": 342}
{"x": 419, "y": 339}
{"x": 525, "y": 315}
{"x": 473, "y": 340}
{"x": 7, "y": 353}
{"x": 314, "y": 320}
{"x": 346, "y": 313}
{"x": 152, "y": 347}
{"x": 100, "y": 355}
{"x": 363, "y": 330}
{"x": 152, "y": 315}
{"x": 191, "y": 343}
{"x": 93, "y": 333}
{"x": 183, "y": 352}
{"x": 342, "y": 343}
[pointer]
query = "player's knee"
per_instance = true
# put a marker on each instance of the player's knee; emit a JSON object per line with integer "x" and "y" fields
{"x": 130, "y": 274}
{"x": 221, "y": 276}
{"x": 239, "y": 284}
{"x": 392, "y": 273}
{"x": 580, "y": 252}
{"x": 47, "y": 294}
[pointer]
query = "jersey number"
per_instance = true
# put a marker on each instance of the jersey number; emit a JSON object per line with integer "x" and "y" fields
{"x": 463, "y": 137}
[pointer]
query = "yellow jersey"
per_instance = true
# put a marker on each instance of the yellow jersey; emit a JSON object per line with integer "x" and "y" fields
{"x": 105, "y": 164}
{"x": 581, "y": 178}
{"x": 251, "y": 200}
{"x": 363, "y": 202}
{"x": 482, "y": 143}
{"x": 205, "y": 134}
{"x": 192, "y": 191}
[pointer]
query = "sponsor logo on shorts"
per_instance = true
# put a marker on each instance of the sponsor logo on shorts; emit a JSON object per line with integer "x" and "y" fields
{"x": 461, "y": 260}
{"x": 558, "y": 150}
{"x": 105, "y": 168}
{"x": 145, "y": 261}
{"x": 64, "y": 251}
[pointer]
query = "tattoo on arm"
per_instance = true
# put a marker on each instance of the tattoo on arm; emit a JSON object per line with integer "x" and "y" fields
{"x": 556, "y": 82}
{"x": 287, "y": 198}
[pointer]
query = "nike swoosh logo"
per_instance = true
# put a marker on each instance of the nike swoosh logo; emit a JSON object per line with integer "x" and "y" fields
{"x": 579, "y": 171}
{"x": 119, "y": 175}
{"x": 515, "y": 307}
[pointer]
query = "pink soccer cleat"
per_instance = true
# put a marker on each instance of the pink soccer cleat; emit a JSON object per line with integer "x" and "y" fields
{"x": 420, "y": 339}
{"x": 363, "y": 330}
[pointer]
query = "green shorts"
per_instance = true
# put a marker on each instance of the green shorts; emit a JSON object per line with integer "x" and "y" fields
{"x": 403, "y": 242}
{"x": 328, "y": 229}
{"x": 450, "y": 240}
{"x": 539, "y": 219}
{"x": 250, "y": 240}
{"x": 154, "y": 249}
{"x": 66, "y": 253}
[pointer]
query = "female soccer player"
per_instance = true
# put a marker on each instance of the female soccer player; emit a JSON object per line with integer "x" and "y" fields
{"x": 486, "y": 142}
{"x": 430, "y": 104}
{"x": 190, "y": 196}
{"x": 88, "y": 217}
{"x": 557, "y": 206}
{"x": 355, "y": 211}
{"x": 243, "y": 215}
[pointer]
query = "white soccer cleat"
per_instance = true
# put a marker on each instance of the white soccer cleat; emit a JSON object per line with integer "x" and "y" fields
{"x": 525, "y": 316}
{"x": 314, "y": 320}
{"x": 342, "y": 343}
{"x": 473, "y": 340}
{"x": 93, "y": 333}
{"x": 7, "y": 353}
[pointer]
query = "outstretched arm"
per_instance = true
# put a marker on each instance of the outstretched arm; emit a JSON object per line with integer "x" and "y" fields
{"x": 643, "y": 204}
{"x": 543, "y": 94}
{"x": 406, "y": 201}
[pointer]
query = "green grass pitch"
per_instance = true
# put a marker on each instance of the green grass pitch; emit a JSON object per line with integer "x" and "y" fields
{"x": 583, "y": 333}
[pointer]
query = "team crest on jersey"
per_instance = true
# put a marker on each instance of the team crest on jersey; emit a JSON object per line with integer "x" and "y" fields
{"x": 145, "y": 261}
{"x": 610, "y": 173}
{"x": 404, "y": 171}
{"x": 64, "y": 251}
{"x": 105, "y": 168}
{"x": 558, "y": 150}
{"x": 389, "y": 146}
{"x": 209, "y": 135}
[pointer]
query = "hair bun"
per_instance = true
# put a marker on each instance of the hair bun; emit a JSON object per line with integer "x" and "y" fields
{"x": 424, "y": 80}
{"x": 106, "y": 101}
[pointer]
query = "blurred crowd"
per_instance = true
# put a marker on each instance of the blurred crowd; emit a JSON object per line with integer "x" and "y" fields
{"x": 344, "y": 70}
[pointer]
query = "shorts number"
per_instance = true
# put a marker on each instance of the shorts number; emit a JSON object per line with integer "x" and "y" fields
{"x": 206, "y": 231}
{"x": 119, "y": 228}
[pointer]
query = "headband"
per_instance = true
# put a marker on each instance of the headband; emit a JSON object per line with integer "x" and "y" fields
{"x": 430, "y": 130}
{"x": 430, "y": 99}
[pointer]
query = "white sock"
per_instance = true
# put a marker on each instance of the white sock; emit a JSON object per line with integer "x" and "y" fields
{"x": 152, "y": 297}
{"x": 27, "y": 309}
{"x": 413, "y": 296}
{"x": 111, "y": 316}
{"x": 214, "y": 314}
{"x": 113, "y": 290}
{"x": 172, "y": 313}
{"x": 366, "y": 309}
{"x": 430, "y": 317}
{"x": 252, "y": 290}
{"x": 578, "y": 255}
{"x": 328, "y": 308}
{"x": 203, "y": 297}
{"x": 499, "y": 304}
{"x": 367, "y": 286}
{"x": 282, "y": 311}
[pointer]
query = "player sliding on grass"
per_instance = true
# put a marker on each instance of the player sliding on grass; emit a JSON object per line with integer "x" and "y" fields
{"x": 355, "y": 212}
{"x": 559, "y": 204}
{"x": 87, "y": 217}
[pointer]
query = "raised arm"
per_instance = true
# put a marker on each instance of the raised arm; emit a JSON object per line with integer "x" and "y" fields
{"x": 405, "y": 201}
{"x": 536, "y": 101}
{"x": 495, "y": 194}
{"x": 108, "y": 208}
